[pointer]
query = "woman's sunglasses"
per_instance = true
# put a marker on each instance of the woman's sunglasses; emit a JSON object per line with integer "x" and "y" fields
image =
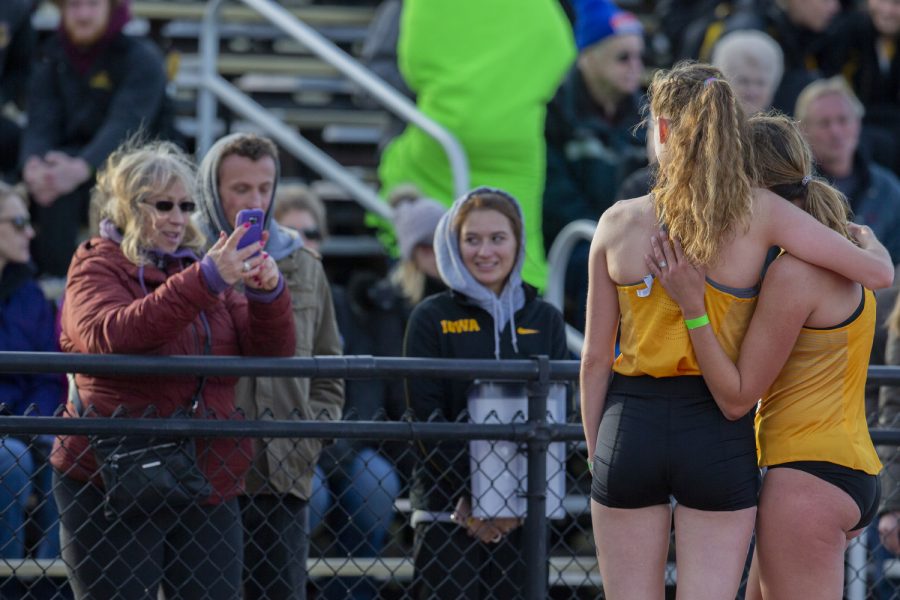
{"x": 167, "y": 205}
{"x": 625, "y": 56}
{"x": 312, "y": 234}
{"x": 19, "y": 222}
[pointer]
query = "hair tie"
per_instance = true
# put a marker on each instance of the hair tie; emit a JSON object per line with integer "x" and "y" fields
{"x": 806, "y": 179}
{"x": 709, "y": 80}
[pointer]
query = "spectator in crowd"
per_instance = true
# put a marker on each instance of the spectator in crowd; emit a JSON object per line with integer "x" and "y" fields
{"x": 140, "y": 288}
{"x": 491, "y": 96}
{"x": 415, "y": 220}
{"x": 93, "y": 87}
{"x": 753, "y": 63}
{"x": 590, "y": 131}
{"x": 806, "y": 354}
{"x": 27, "y": 324}
{"x": 799, "y": 27}
{"x": 683, "y": 24}
{"x": 487, "y": 313}
{"x": 361, "y": 478}
{"x": 704, "y": 197}
{"x": 863, "y": 49}
{"x": 297, "y": 207}
{"x": 591, "y": 144}
{"x": 240, "y": 172}
{"x": 16, "y": 48}
{"x": 831, "y": 118}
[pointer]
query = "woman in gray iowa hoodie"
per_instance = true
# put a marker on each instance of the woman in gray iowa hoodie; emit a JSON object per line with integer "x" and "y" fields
{"x": 487, "y": 313}
{"x": 279, "y": 484}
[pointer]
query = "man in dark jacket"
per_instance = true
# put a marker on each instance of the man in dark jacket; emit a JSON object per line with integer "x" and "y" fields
{"x": 16, "y": 48}
{"x": 831, "y": 118}
{"x": 93, "y": 87}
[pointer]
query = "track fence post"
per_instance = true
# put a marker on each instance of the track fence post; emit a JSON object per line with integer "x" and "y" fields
{"x": 538, "y": 444}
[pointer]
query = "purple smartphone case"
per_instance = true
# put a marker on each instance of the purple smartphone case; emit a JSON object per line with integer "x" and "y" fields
{"x": 255, "y": 217}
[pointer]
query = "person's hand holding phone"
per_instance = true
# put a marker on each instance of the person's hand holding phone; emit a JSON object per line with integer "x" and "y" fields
{"x": 233, "y": 263}
{"x": 264, "y": 275}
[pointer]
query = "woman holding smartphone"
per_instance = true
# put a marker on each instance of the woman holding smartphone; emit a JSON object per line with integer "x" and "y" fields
{"x": 806, "y": 354}
{"x": 141, "y": 288}
{"x": 652, "y": 427}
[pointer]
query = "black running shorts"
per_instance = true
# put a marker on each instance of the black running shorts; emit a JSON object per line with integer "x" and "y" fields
{"x": 666, "y": 437}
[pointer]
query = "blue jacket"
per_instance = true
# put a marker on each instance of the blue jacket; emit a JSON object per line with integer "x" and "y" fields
{"x": 27, "y": 325}
{"x": 875, "y": 201}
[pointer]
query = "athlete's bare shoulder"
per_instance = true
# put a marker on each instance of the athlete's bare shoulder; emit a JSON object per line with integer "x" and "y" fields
{"x": 625, "y": 215}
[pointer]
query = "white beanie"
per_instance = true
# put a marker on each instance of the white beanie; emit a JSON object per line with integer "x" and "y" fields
{"x": 415, "y": 222}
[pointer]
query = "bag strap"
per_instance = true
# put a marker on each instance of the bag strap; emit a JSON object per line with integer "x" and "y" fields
{"x": 207, "y": 349}
{"x": 74, "y": 397}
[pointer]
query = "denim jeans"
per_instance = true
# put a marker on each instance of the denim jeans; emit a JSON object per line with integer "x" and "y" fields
{"x": 25, "y": 471}
{"x": 364, "y": 488}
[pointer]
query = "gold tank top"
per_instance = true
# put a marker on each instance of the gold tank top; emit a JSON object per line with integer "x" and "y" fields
{"x": 816, "y": 408}
{"x": 653, "y": 339}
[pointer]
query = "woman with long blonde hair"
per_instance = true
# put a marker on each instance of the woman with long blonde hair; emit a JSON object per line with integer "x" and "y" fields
{"x": 653, "y": 429}
{"x": 806, "y": 354}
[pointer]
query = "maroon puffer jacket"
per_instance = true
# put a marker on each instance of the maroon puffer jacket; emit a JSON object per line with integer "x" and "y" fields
{"x": 107, "y": 311}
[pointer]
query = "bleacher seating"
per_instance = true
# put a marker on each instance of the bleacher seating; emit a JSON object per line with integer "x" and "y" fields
{"x": 283, "y": 76}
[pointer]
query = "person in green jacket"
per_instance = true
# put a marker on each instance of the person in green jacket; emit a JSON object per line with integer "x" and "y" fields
{"x": 485, "y": 71}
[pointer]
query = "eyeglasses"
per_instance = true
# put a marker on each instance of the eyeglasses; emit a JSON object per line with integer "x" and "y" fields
{"x": 625, "y": 56}
{"x": 313, "y": 234}
{"x": 19, "y": 222}
{"x": 167, "y": 205}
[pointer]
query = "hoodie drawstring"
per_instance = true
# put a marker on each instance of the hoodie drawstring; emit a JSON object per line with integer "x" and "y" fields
{"x": 495, "y": 306}
{"x": 512, "y": 323}
{"x": 495, "y": 310}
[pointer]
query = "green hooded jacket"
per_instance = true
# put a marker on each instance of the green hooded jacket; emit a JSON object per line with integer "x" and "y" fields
{"x": 485, "y": 71}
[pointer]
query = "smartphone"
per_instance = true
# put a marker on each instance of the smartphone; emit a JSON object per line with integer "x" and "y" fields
{"x": 255, "y": 217}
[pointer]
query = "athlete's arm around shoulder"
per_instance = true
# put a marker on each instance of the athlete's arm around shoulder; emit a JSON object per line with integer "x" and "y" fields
{"x": 789, "y": 227}
{"x": 790, "y": 292}
{"x": 787, "y": 298}
{"x": 602, "y": 321}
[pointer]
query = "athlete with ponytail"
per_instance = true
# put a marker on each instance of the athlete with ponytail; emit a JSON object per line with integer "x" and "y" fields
{"x": 806, "y": 354}
{"x": 653, "y": 428}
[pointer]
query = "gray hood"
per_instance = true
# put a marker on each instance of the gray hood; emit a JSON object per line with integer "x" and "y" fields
{"x": 458, "y": 278}
{"x": 211, "y": 218}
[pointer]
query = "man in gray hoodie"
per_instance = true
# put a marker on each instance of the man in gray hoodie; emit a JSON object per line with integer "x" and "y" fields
{"x": 241, "y": 171}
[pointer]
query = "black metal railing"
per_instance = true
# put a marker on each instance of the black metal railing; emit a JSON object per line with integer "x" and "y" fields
{"x": 555, "y": 553}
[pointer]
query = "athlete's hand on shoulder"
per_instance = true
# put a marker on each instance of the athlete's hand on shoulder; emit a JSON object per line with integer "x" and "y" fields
{"x": 684, "y": 282}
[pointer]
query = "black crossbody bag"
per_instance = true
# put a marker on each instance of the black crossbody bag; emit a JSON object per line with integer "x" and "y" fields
{"x": 144, "y": 474}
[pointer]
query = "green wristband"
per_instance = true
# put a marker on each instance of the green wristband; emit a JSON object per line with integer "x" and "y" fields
{"x": 590, "y": 466}
{"x": 698, "y": 322}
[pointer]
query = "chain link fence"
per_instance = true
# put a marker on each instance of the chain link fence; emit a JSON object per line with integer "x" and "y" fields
{"x": 372, "y": 534}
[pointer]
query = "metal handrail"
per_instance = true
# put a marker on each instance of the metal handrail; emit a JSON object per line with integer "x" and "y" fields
{"x": 557, "y": 261}
{"x": 212, "y": 86}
